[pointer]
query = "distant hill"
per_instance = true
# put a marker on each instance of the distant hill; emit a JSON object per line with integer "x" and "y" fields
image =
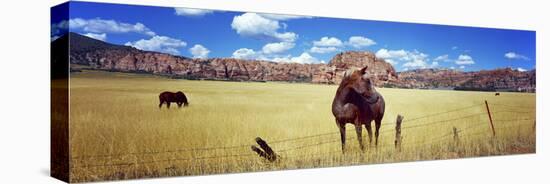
{"x": 99, "y": 55}
{"x": 501, "y": 79}
{"x": 82, "y": 44}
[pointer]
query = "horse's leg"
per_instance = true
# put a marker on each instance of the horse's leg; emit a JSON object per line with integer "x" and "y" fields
{"x": 342, "y": 128}
{"x": 377, "y": 123}
{"x": 160, "y": 104}
{"x": 168, "y": 104}
{"x": 179, "y": 104}
{"x": 359, "y": 130}
{"x": 369, "y": 131}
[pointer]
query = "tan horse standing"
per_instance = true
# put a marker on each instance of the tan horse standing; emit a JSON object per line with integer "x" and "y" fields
{"x": 357, "y": 102}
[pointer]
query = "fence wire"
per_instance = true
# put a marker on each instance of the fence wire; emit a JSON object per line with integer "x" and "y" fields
{"x": 312, "y": 145}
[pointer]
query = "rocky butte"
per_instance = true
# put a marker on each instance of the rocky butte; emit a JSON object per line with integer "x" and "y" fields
{"x": 85, "y": 52}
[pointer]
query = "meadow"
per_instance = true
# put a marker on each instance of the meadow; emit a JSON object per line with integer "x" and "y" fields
{"x": 117, "y": 130}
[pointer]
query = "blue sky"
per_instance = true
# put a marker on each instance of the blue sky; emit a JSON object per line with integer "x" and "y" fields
{"x": 302, "y": 39}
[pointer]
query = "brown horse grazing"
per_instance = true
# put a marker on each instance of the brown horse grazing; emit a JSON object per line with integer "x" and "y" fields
{"x": 169, "y": 97}
{"x": 497, "y": 94}
{"x": 357, "y": 102}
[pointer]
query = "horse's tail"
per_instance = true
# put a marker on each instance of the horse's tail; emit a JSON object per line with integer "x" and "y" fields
{"x": 185, "y": 101}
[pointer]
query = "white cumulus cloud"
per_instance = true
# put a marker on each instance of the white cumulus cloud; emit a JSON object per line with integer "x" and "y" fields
{"x": 286, "y": 36}
{"x": 464, "y": 60}
{"x": 412, "y": 59}
{"x": 359, "y": 41}
{"x": 444, "y": 58}
{"x": 256, "y": 26}
{"x": 389, "y": 54}
{"x": 304, "y": 58}
{"x": 58, "y": 29}
{"x": 191, "y": 12}
{"x": 326, "y": 45}
{"x": 98, "y": 25}
{"x": 328, "y": 42}
{"x": 419, "y": 63}
{"x": 199, "y": 51}
{"x": 513, "y": 55}
{"x": 521, "y": 69}
{"x": 96, "y": 36}
{"x": 244, "y": 53}
{"x": 279, "y": 47}
{"x": 160, "y": 44}
{"x": 322, "y": 50}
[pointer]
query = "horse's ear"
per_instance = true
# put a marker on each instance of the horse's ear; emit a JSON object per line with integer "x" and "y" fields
{"x": 364, "y": 69}
{"x": 346, "y": 73}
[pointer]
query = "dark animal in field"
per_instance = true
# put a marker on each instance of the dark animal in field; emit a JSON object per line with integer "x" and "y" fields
{"x": 169, "y": 97}
{"x": 497, "y": 94}
{"x": 357, "y": 102}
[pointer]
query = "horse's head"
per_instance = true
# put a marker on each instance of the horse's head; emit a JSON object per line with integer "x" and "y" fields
{"x": 360, "y": 82}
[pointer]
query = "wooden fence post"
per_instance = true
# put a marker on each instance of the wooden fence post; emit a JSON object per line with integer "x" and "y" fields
{"x": 455, "y": 135}
{"x": 490, "y": 118}
{"x": 398, "y": 132}
{"x": 265, "y": 151}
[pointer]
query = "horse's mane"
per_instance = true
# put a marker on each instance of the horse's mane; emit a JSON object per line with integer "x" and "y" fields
{"x": 347, "y": 81}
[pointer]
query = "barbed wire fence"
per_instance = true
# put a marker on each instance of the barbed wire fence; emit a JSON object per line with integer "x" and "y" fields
{"x": 284, "y": 151}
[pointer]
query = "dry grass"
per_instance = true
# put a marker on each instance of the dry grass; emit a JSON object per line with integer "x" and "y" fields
{"x": 117, "y": 114}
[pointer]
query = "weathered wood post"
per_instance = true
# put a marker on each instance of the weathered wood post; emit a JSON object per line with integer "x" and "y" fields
{"x": 455, "y": 135}
{"x": 490, "y": 118}
{"x": 398, "y": 132}
{"x": 265, "y": 151}
{"x": 456, "y": 140}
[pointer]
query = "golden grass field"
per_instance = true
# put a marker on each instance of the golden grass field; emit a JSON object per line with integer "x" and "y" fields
{"x": 117, "y": 130}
